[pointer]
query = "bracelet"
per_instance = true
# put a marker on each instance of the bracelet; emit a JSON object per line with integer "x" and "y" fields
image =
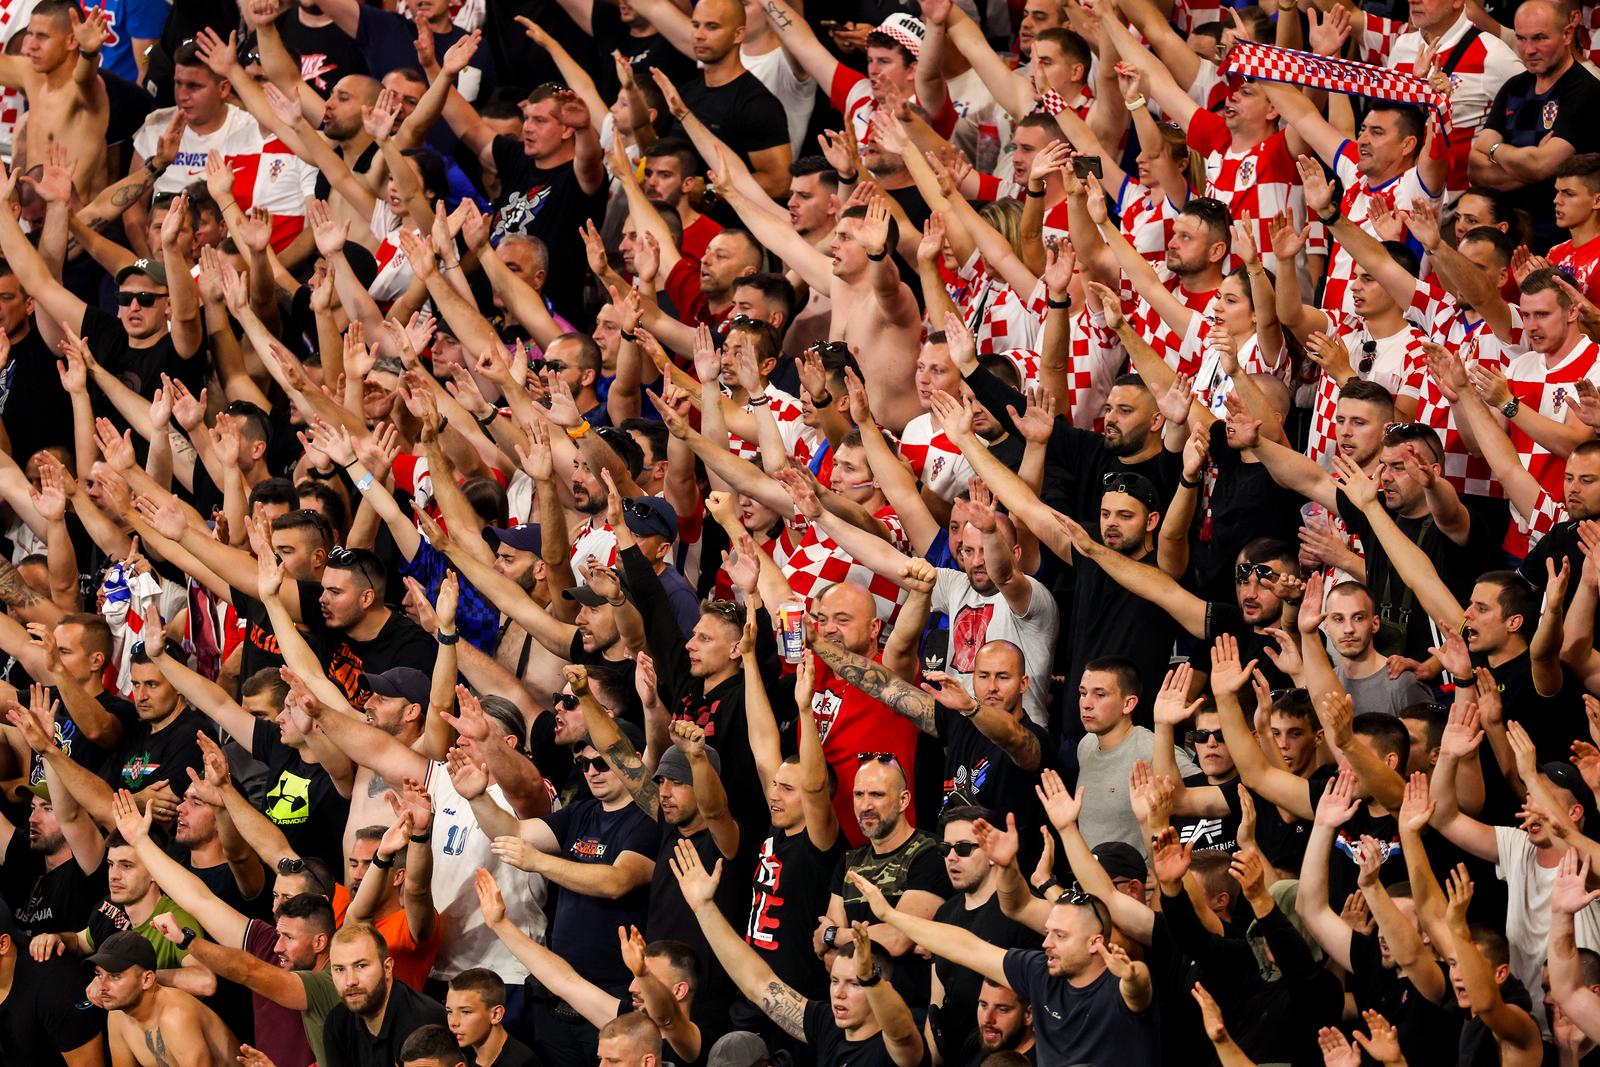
{"x": 448, "y": 639}
{"x": 762, "y": 399}
{"x": 1187, "y": 484}
{"x": 365, "y": 483}
{"x": 580, "y": 431}
{"x": 1134, "y": 103}
{"x": 422, "y": 838}
{"x": 449, "y": 266}
{"x": 382, "y": 863}
{"x": 1332, "y": 217}
{"x": 879, "y": 257}
{"x": 851, "y": 180}
{"x": 1058, "y": 305}
{"x": 1033, "y": 195}
{"x": 617, "y": 603}
{"x": 1048, "y": 884}
{"x": 155, "y": 168}
{"x": 969, "y": 713}
{"x": 485, "y": 421}
{"x": 816, "y": 403}
{"x": 630, "y": 337}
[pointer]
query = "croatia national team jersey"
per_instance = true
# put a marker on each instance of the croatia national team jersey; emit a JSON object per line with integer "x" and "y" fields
{"x": 801, "y": 441}
{"x": 1147, "y": 220}
{"x": 819, "y": 562}
{"x": 1484, "y": 64}
{"x": 1094, "y": 358}
{"x": 1212, "y": 384}
{"x": 1549, "y": 387}
{"x": 265, "y": 172}
{"x": 1582, "y": 262}
{"x": 1166, "y": 341}
{"x": 1397, "y": 363}
{"x": 851, "y": 96}
{"x": 1260, "y": 181}
{"x": 1400, "y": 191}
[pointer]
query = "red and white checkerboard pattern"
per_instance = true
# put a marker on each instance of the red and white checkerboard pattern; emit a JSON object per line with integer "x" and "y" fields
{"x": 800, "y": 440}
{"x": 1166, "y": 341}
{"x": 14, "y": 16}
{"x": 934, "y": 458}
{"x": 1400, "y": 191}
{"x": 1436, "y": 312}
{"x": 1398, "y": 364}
{"x": 1548, "y": 513}
{"x": 1094, "y": 358}
{"x": 1550, "y": 389}
{"x": 1260, "y": 181}
{"x": 819, "y": 562}
{"x": 1147, "y": 220}
{"x": 1007, "y": 319}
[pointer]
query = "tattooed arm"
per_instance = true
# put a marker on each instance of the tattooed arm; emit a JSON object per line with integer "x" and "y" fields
{"x": 878, "y": 682}
{"x": 25, "y": 604}
{"x": 750, "y": 972}
{"x": 618, "y": 750}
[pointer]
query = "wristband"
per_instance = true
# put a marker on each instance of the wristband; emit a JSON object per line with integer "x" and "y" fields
{"x": 421, "y": 839}
{"x": 321, "y": 476}
{"x": 1033, "y": 195}
{"x": 153, "y": 168}
{"x": 762, "y": 399}
{"x": 1187, "y": 484}
{"x": 828, "y": 402}
{"x": 580, "y": 431}
{"x": 1048, "y": 884}
{"x": 626, "y": 336}
{"x": 1058, "y": 305}
{"x": 448, "y": 639}
{"x": 486, "y": 421}
{"x": 850, "y": 180}
{"x": 1134, "y": 103}
{"x": 879, "y": 257}
{"x": 1332, "y": 217}
{"x": 365, "y": 483}
{"x": 872, "y": 979}
{"x": 382, "y": 863}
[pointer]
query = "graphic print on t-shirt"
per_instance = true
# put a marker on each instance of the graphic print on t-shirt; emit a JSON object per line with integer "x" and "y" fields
{"x": 289, "y": 802}
{"x": 137, "y": 770}
{"x": 768, "y": 876}
{"x": 963, "y": 787}
{"x": 967, "y": 635}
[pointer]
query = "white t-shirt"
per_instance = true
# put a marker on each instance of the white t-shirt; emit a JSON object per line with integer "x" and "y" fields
{"x": 460, "y": 847}
{"x": 796, "y": 92}
{"x": 975, "y": 620}
{"x": 1528, "y": 888}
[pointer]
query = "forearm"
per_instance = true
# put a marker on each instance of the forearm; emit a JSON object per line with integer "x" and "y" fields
{"x": 63, "y": 567}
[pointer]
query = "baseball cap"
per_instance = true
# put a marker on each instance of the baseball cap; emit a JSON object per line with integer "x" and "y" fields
{"x": 363, "y": 264}
{"x": 407, "y": 683}
{"x": 1120, "y": 860}
{"x": 906, "y": 31}
{"x": 122, "y": 950}
{"x": 150, "y": 268}
{"x": 586, "y": 596}
{"x": 650, "y": 516}
{"x": 674, "y": 765}
{"x": 1135, "y": 485}
{"x": 8, "y": 921}
{"x": 1567, "y": 777}
{"x": 739, "y": 1049}
{"x": 524, "y": 537}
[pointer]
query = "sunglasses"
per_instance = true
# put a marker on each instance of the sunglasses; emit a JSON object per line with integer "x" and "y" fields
{"x": 1369, "y": 356}
{"x": 565, "y": 700}
{"x": 144, "y": 300}
{"x": 637, "y": 509}
{"x": 1396, "y": 432}
{"x": 1203, "y": 737}
{"x": 1077, "y": 899}
{"x": 341, "y": 557}
{"x": 598, "y": 765}
{"x": 1242, "y": 572}
{"x": 290, "y": 864}
{"x": 880, "y": 757}
{"x": 960, "y": 848}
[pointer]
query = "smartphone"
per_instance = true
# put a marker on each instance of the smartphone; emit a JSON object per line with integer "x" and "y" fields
{"x": 1085, "y": 166}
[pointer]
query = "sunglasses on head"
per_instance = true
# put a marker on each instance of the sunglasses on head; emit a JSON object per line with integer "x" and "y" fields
{"x": 1243, "y": 571}
{"x": 143, "y": 299}
{"x": 1202, "y": 737}
{"x": 290, "y": 864}
{"x": 880, "y": 757}
{"x": 596, "y": 764}
{"x": 1396, "y": 432}
{"x": 1077, "y": 899}
{"x": 341, "y": 557}
{"x": 1369, "y": 356}
{"x": 636, "y": 508}
{"x": 960, "y": 848}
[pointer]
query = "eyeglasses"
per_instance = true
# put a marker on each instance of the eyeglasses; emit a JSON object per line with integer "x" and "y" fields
{"x": 290, "y": 864}
{"x": 565, "y": 700}
{"x": 960, "y": 848}
{"x": 1242, "y": 572}
{"x": 1369, "y": 356}
{"x": 880, "y": 757}
{"x": 1205, "y": 737}
{"x": 143, "y": 299}
{"x": 598, "y": 765}
{"x": 555, "y": 366}
{"x": 1396, "y": 432}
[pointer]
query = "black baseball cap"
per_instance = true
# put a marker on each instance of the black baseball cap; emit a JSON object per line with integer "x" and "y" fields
{"x": 122, "y": 950}
{"x": 650, "y": 516}
{"x": 1135, "y": 485}
{"x": 407, "y": 683}
{"x": 524, "y": 537}
{"x": 1120, "y": 860}
{"x": 1566, "y": 776}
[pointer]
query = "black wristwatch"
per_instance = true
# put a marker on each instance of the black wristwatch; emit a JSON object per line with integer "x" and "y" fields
{"x": 382, "y": 862}
{"x": 872, "y": 979}
{"x": 188, "y": 936}
{"x": 1187, "y": 484}
{"x": 1510, "y": 408}
{"x": 830, "y": 935}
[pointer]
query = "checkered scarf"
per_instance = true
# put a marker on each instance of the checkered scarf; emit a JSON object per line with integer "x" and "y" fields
{"x": 1265, "y": 62}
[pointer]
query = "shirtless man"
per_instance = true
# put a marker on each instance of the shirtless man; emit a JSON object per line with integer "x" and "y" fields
{"x": 147, "y": 1023}
{"x": 873, "y": 310}
{"x": 59, "y": 70}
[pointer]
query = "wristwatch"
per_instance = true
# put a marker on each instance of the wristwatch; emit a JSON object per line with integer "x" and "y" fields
{"x": 1510, "y": 408}
{"x": 872, "y": 979}
{"x": 830, "y": 935}
{"x": 188, "y": 935}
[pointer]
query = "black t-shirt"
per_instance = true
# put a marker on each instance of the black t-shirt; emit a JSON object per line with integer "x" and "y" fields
{"x": 79, "y": 748}
{"x": 1342, "y": 863}
{"x": 326, "y": 53}
{"x": 652, "y": 51}
{"x": 513, "y": 1054}
{"x": 1221, "y": 834}
{"x": 550, "y": 204}
{"x": 1458, "y": 567}
{"x": 978, "y": 771}
{"x": 1552, "y": 721}
{"x": 1425, "y": 1027}
{"x": 958, "y": 1016}
{"x": 829, "y": 1046}
{"x": 786, "y": 900}
{"x": 1083, "y": 1024}
{"x": 48, "y": 902}
{"x": 399, "y": 643}
{"x": 1245, "y": 504}
{"x": 301, "y": 799}
{"x": 35, "y": 409}
{"x": 348, "y": 1042}
{"x": 45, "y": 1014}
{"x": 146, "y": 758}
{"x": 669, "y": 918}
{"x": 743, "y": 113}
{"x": 1281, "y": 840}
{"x": 140, "y": 369}
{"x": 1114, "y": 622}
{"x": 1525, "y": 118}
{"x": 590, "y": 834}
{"x": 915, "y": 865}
{"x": 1229, "y": 619}
{"x": 259, "y": 649}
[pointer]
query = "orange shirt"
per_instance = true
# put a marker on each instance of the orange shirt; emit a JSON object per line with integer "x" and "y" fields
{"x": 412, "y": 961}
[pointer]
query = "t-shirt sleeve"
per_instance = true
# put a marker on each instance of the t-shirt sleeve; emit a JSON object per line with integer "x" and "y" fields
{"x": 1575, "y": 113}
{"x": 266, "y": 742}
{"x": 559, "y": 822}
{"x": 1496, "y": 119}
{"x": 765, "y": 124}
{"x": 641, "y": 836}
{"x": 819, "y": 1013}
{"x": 1186, "y": 766}
{"x": 71, "y": 1021}
{"x": 1207, "y": 132}
{"x": 1024, "y": 969}
{"x": 927, "y": 873}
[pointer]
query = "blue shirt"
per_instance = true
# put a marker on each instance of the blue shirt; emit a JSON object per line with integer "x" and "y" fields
{"x": 144, "y": 19}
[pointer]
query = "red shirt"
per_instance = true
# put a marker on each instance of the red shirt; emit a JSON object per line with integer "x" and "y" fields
{"x": 1582, "y": 262}
{"x": 698, "y": 234}
{"x": 851, "y": 723}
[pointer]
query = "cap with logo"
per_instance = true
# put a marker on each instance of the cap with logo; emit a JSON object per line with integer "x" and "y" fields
{"x": 150, "y": 268}
{"x": 906, "y": 31}
{"x": 524, "y": 537}
{"x": 407, "y": 683}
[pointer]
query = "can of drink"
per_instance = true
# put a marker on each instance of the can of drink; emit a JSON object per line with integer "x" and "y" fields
{"x": 792, "y": 619}
{"x": 1313, "y": 513}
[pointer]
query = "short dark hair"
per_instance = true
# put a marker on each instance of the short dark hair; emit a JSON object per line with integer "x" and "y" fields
{"x": 676, "y": 147}
{"x": 1270, "y": 550}
{"x": 367, "y": 565}
{"x": 1585, "y": 166}
{"x": 335, "y": 511}
{"x": 1517, "y": 597}
{"x": 490, "y": 987}
{"x": 820, "y": 167}
{"x": 1405, "y": 256}
{"x": 859, "y": 211}
{"x": 652, "y": 430}
{"x": 1371, "y": 392}
{"x": 679, "y": 956}
{"x": 267, "y": 680}
{"x": 275, "y": 491}
{"x": 1124, "y": 670}
{"x": 1408, "y": 117}
{"x": 432, "y": 1042}
{"x": 1547, "y": 278}
{"x": 1387, "y": 732}
{"x": 312, "y": 908}
{"x": 305, "y": 518}
{"x": 967, "y": 813}
{"x": 96, "y": 631}
{"x": 775, "y": 289}
{"x": 879, "y": 39}
{"x": 1503, "y": 243}
{"x": 613, "y": 684}
{"x": 188, "y": 55}
{"x": 1214, "y": 215}
{"x": 1074, "y": 49}
{"x": 627, "y": 449}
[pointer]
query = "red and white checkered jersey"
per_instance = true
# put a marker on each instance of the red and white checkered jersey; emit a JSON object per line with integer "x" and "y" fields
{"x": 265, "y": 172}
{"x": 1438, "y": 314}
{"x": 998, "y": 315}
{"x": 934, "y": 458}
{"x": 851, "y": 95}
{"x": 1166, "y": 341}
{"x": 1147, "y": 220}
{"x": 1211, "y": 383}
{"x": 14, "y": 16}
{"x": 593, "y": 541}
{"x": 1399, "y": 191}
{"x": 1259, "y": 181}
{"x": 1209, "y": 88}
{"x": 1187, "y": 14}
{"x": 1398, "y": 364}
{"x": 1582, "y": 262}
{"x": 1485, "y": 65}
{"x": 819, "y": 562}
{"x": 1551, "y": 389}
{"x": 800, "y": 440}
{"x": 1548, "y": 513}
{"x": 1094, "y": 358}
